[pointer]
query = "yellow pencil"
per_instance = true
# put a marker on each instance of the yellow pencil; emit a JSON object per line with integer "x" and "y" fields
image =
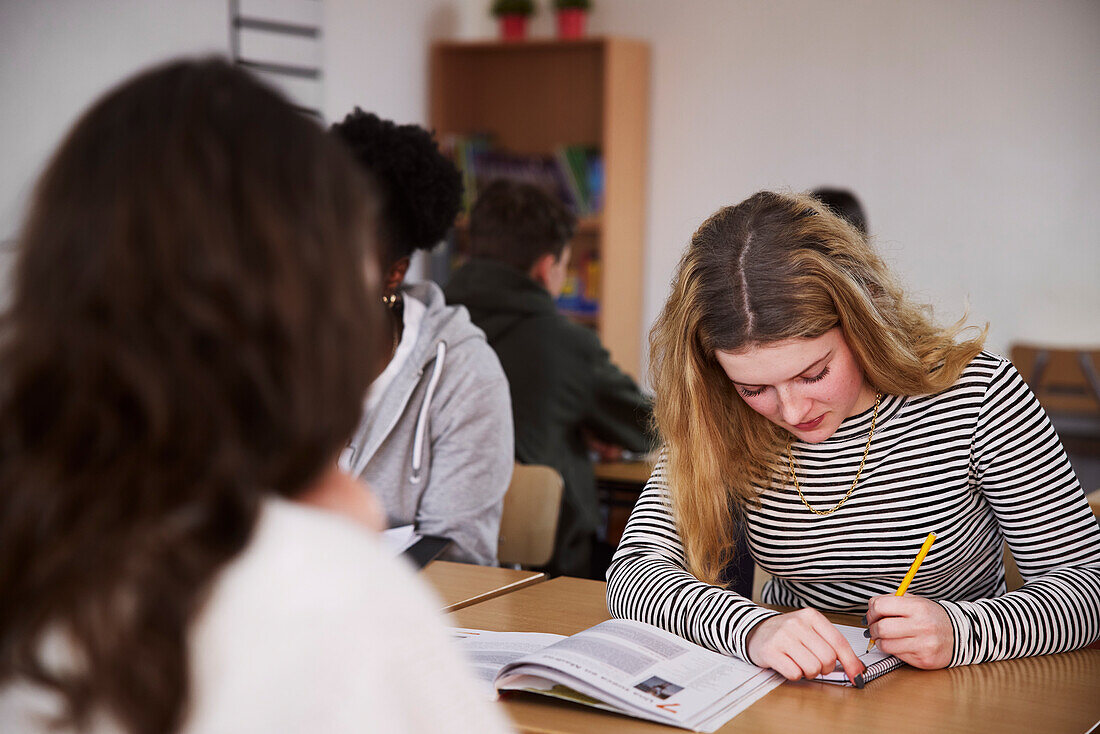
{"x": 912, "y": 572}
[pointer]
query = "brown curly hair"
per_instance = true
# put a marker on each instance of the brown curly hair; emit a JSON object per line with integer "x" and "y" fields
{"x": 195, "y": 320}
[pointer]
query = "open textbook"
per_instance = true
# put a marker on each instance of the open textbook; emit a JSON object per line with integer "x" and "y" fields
{"x": 636, "y": 669}
{"x": 622, "y": 666}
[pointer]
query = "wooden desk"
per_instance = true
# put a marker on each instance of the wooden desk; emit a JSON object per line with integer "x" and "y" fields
{"x": 1055, "y": 693}
{"x": 618, "y": 484}
{"x": 461, "y": 584}
{"x": 626, "y": 472}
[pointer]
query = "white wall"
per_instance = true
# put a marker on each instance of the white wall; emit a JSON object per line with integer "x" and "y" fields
{"x": 969, "y": 129}
{"x": 60, "y": 55}
{"x": 376, "y": 57}
{"x": 376, "y": 53}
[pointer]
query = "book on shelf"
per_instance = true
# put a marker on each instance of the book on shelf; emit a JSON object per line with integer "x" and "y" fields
{"x": 541, "y": 171}
{"x": 572, "y": 173}
{"x": 580, "y": 297}
{"x": 575, "y": 181}
{"x": 595, "y": 173}
{"x": 583, "y": 167}
{"x": 637, "y": 669}
{"x": 463, "y": 150}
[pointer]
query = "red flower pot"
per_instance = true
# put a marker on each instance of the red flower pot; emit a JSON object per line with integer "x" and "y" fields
{"x": 571, "y": 22}
{"x": 513, "y": 27}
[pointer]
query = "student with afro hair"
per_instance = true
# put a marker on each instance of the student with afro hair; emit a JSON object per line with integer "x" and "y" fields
{"x": 435, "y": 438}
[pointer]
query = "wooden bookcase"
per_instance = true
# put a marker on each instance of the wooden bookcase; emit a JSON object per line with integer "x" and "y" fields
{"x": 534, "y": 96}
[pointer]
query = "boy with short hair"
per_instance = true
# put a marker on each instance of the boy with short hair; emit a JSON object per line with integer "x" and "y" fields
{"x": 565, "y": 391}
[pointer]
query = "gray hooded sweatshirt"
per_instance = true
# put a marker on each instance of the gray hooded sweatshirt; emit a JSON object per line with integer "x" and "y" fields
{"x": 437, "y": 449}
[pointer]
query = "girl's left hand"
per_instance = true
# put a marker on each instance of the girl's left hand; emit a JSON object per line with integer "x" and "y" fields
{"x": 912, "y": 628}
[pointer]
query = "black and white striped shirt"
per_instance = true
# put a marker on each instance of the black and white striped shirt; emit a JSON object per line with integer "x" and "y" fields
{"x": 977, "y": 464}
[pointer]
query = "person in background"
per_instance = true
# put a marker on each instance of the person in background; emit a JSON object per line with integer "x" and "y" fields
{"x": 800, "y": 392}
{"x": 564, "y": 387}
{"x": 435, "y": 437}
{"x": 195, "y": 317}
{"x": 845, "y": 205}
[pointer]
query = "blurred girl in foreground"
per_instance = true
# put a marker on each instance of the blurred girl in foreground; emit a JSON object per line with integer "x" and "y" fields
{"x": 196, "y": 315}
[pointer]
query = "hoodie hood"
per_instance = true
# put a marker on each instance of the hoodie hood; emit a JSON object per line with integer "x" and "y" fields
{"x": 441, "y": 323}
{"x": 498, "y": 296}
{"x": 443, "y": 329}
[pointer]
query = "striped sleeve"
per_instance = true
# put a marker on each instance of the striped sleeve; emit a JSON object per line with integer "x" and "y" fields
{"x": 648, "y": 581}
{"x": 1022, "y": 471}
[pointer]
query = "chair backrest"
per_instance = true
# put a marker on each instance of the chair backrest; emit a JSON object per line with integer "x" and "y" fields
{"x": 1066, "y": 381}
{"x": 759, "y": 578}
{"x": 1013, "y": 579}
{"x": 530, "y": 518}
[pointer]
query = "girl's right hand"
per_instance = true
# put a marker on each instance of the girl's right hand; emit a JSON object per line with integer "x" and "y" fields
{"x": 802, "y": 644}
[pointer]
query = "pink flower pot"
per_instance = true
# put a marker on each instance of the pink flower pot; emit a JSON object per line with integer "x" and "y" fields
{"x": 513, "y": 27}
{"x": 571, "y": 22}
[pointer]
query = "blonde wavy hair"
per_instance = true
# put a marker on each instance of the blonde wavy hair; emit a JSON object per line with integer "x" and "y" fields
{"x": 774, "y": 267}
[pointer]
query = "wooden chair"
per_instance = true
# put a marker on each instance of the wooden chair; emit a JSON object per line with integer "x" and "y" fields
{"x": 1067, "y": 384}
{"x": 529, "y": 522}
{"x": 759, "y": 578}
{"x": 1013, "y": 579}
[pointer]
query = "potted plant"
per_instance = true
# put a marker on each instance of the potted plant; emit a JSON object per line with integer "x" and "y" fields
{"x": 513, "y": 15}
{"x": 571, "y": 17}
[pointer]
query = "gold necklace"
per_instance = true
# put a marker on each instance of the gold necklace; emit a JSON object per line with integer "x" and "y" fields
{"x": 794, "y": 478}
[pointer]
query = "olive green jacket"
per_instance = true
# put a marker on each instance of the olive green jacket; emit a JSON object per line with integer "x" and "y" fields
{"x": 562, "y": 383}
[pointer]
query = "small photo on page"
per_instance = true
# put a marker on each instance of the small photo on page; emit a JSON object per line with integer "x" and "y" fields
{"x": 658, "y": 687}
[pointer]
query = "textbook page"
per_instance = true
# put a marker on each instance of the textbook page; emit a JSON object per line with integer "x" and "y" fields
{"x": 855, "y": 638}
{"x": 488, "y": 652}
{"x": 643, "y": 671}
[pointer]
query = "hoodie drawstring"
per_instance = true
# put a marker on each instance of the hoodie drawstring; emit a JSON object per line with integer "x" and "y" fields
{"x": 422, "y": 419}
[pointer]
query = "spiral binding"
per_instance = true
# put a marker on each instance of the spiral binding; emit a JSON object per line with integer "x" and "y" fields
{"x": 874, "y": 670}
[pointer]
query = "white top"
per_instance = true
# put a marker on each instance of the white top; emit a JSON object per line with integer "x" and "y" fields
{"x": 313, "y": 628}
{"x": 412, "y": 314}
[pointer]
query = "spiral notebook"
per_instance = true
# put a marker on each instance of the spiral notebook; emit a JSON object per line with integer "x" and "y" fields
{"x": 876, "y": 663}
